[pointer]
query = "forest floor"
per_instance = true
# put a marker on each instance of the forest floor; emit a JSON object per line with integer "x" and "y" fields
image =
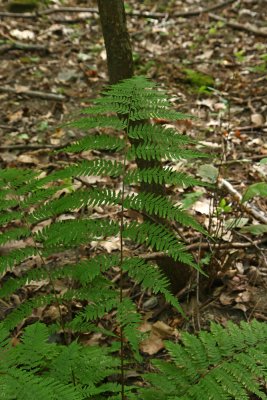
{"x": 212, "y": 65}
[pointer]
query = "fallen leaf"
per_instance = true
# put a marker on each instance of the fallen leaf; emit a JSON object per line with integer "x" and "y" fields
{"x": 22, "y": 35}
{"x": 152, "y": 345}
{"x": 27, "y": 159}
{"x": 225, "y": 299}
{"x": 257, "y": 119}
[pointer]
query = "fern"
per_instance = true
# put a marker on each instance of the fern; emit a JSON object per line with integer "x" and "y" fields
{"x": 50, "y": 216}
{"x": 223, "y": 364}
{"x": 35, "y": 368}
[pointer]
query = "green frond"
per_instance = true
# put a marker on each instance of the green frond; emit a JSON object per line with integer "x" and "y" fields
{"x": 74, "y": 201}
{"x": 162, "y": 176}
{"x": 160, "y": 135}
{"x": 202, "y": 368}
{"x": 152, "y": 151}
{"x": 7, "y": 217}
{"x": 84, "y": 272}
{"x": 15, "y": 257}
{"x": 136, "y": 99}
{"x": 22, "y": 385}
{"x": 58, "y": 372}
{"x": 39, "y": 196}
{"x": 25, "y": 309}
{"x": 106, "y": 300}
{"x": 96, "y": 142}
{"x": 14, "y": 234}
{"x": 71, "y": 233}
{"x": 160, "y": 205}
{"x": 129, "y": 319}
{"x": 159, "y": 238}
{"x": 13, "y": 178}
{"x": 6, "y": 204}
{"x": 150, "y": 277}
{"x": 36, "y": 351}
{"x": 100, "y": 121}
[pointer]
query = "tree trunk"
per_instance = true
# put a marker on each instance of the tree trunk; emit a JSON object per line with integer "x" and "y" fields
{"x": 117, "y": 40}
{"x": 120, "y": 66}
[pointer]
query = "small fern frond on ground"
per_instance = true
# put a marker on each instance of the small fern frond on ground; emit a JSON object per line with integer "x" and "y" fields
{"x": 223, "y": 364}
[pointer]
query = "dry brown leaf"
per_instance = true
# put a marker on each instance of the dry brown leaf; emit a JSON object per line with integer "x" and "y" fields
{"x": 152, "y": 345}
{"x": 27, "y": 159}
{"x": 226, "y": 299}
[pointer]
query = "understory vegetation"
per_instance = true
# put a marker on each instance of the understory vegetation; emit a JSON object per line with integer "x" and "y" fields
{"x": 49, "y": 216}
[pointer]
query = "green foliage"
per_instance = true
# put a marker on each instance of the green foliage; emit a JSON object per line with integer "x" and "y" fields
{"x": 223, "y": 364}
{"x": 32, "y": 206}
{"x": 37, "y": 368}
{"x": 257, "y": 189}
{"x": 201, "y": 82}
{"x": 49, "y": 218}
{"x": 21, "y": 6}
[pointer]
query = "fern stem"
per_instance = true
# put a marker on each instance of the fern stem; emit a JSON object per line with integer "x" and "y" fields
{"x": 121, "y": 255}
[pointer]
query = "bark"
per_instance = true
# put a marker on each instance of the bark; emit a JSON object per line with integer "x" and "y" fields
{"x": 120, "y": 66}
{"x": 117, "y": 40}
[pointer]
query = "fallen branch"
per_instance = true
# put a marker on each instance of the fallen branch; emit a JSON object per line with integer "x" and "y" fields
{"x": 30, "y": 147}
{"x": 33, "y": 93}
{"x": 22, "y": 46}
{"x": 250, "y": 128}
{"x": 242, "y": 27}
{"x": 142, "y": 14}
{"x": 196, "y": 246}
{"x": 250, "y": 209}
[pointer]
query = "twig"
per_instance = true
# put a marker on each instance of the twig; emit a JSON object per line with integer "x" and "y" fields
{"x": 142, "y": 14}
{"x": 22, "y": 46}
{"x": 250, "y": 209}
{"x": 196, "y": 246}
{"x": 250, "y": 127}
{"x": 30, "y": 147}
{"x": 242, "y": 27}
{"x": 33, "y": 93}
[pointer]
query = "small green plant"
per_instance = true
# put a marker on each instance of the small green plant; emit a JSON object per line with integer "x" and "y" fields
{"x": 21, "y": 6}
{"x": 200, "y": 82}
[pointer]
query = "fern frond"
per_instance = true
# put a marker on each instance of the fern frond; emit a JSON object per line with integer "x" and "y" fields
{"x": 161, "y": 176}
{"x": 152, "y": 151}
{"x": 160, "y": 135}
{"x": 159, "y": 205}
{"x": 25, "y": 309}
{"x": 129, "y": 319}
{"x": 5, "y": 218}
{"x": 59, "y": 372}
{"x": 96, "y": 142}
{"x": 203, "y": 367}
{"x": 15, "y": 257}
{"x": 99, "y": 121}
{"x": 150, "y": 277}
{"x": 160, "y": 238}
{"x": 71, "y": 233}
{"x": 74, "y": 201}
{"x": 13, "y": 234}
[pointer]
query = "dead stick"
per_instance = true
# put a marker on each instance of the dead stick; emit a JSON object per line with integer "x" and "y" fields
{"x": 250, "y": 209}
{"x": 22, "y": 46}
{"x": 242, "y": 27}
{"x": 144, "y": 14}
{"x": 196, "y": 246}
{"x": 33, "y": 93}
{"x": 30, "y": 147}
